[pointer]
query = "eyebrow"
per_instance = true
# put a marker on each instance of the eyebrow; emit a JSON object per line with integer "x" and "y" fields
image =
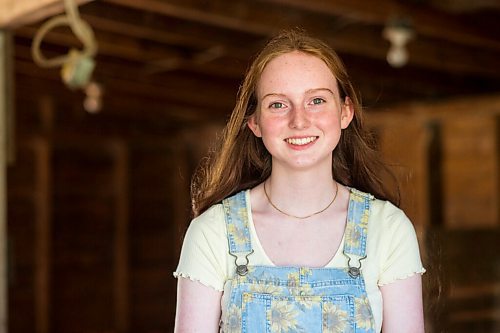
{"x": 320, "y": 89}
{"x": 307, "y": 92}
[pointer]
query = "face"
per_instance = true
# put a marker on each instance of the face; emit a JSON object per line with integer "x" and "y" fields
{"x": 299, "y": 113}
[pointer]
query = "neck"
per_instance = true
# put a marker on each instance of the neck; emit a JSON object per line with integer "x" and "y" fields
{"x": 301, "y": 193}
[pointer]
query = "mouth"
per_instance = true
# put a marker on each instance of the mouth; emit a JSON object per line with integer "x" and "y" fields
{"x": 301, "y": 141}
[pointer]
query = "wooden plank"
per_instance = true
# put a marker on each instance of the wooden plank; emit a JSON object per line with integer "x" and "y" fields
{"x": 470, "y": 158}
{"x": 469, "y": 291}
{"x": 181, "y": 182}
{"x": 485, "y": 105}
{"x": 470, "y": 162}
{"x": 121, "y": 258}
{"x": 6, "y": 97}
{"x": 404, "y": 145}
{"x": 14, "y": 13}
{"x": 83, "y": 235}
{"x": 43, "y": 232}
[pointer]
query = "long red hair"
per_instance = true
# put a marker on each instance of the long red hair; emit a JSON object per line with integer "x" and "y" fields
{"x": 240, "y": 160}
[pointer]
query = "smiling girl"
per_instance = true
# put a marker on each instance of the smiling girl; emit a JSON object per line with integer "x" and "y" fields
{"x": 294, "y": 229}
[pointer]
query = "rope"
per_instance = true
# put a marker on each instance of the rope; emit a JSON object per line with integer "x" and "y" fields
{"x": 80, "y": 28}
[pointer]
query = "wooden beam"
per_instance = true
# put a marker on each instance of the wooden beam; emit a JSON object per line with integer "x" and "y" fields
{"x": 487, "y": 105}
{"x": 372, "y": 76}
{"x": 171, "y": 29}
{"x": 442, "y": 56}
{"x": 117, "y": 106}
{"x": 426, "y": 20}
{"x": 361, "y": 35}
{"x": 43, "y": 228}
{"x": 121, "y": 242}
{"x": 461, "y": 6}
{"x": 119, "y": 46}
{"x": 14, "y": 13}
{"x": 469, "y": 291}
{"x": 6, "y": 97}
{"x": 178, "y": 90}
{"x": 199, "y": 15}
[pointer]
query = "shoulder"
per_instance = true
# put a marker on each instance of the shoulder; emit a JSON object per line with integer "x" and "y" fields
{"x": 383, "y": 213}
{"x": 388, "y": 224}
{"x": 392, "y": 242}
{"x": 213, "y": 220}
{"x": 386, "y": 215}
{"x": 203, "y": 254}
{"x": 209, "y": 224}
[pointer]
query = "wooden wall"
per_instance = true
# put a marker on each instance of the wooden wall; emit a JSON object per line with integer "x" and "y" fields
{"x": 95, "y": 219}
{"x": 97, "y": 210}
{"x": 94, "y": 229}
{"x": 446, "y": 156}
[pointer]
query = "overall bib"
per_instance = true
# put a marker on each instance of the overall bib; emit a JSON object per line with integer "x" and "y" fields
{"x": 264, "y": 299}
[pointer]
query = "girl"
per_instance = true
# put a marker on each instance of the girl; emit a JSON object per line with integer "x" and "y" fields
{"x": 294, "y": 230}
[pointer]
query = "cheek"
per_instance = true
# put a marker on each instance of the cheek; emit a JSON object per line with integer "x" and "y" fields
{"x": 333, "y": 122}
{"x": 269, "y": 135}
{"x": 270, "y": 125}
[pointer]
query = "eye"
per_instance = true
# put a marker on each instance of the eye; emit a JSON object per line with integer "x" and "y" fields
{"x": 276, "y": 105}
{"x": 318, "y": 100}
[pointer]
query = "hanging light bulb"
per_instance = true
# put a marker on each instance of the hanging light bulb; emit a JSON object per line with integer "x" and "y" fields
{"x": 93, "y": 99}
{"x": 399, "y": 33}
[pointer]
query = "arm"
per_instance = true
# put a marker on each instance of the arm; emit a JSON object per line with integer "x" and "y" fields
{"x": 198, "y": 307}
{"x": 403, "y": 309}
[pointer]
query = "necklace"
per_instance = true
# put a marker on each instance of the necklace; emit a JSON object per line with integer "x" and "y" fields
{"x": 302, "y": 217}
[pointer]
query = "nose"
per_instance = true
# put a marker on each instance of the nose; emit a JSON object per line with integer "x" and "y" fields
{"x": 299, "y": 118}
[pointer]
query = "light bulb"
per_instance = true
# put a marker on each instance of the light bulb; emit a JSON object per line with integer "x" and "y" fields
{"x": 398, "y": 35}
{"x": 397, "y": 56}
{"x": 92, "y": 104}
{"x": 93, "y": 100}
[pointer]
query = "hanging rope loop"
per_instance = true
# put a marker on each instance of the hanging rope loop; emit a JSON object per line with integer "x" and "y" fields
{"x": 80, "y": 28}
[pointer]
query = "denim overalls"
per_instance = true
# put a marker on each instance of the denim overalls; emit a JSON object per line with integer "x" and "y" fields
{"x": 297, "y": 299}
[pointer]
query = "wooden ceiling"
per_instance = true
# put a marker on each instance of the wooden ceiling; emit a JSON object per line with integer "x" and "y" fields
{"x": 181, "y": 61}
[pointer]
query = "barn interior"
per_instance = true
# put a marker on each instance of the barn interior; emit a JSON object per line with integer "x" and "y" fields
{"x": 96, "y": 169}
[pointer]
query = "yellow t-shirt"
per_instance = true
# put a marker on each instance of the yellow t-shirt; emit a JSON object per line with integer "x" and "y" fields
{"x": 391, "y": 245}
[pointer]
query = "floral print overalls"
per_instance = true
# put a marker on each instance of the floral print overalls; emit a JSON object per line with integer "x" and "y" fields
{"x": 264, "y": 299}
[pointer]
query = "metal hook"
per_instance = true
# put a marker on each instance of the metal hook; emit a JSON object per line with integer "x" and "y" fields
{"x": 242, "y": 270}
{"x": 353, "y": 271}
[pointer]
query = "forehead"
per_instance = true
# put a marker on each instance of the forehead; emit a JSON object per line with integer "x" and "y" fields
{"x": 294, "y": 72}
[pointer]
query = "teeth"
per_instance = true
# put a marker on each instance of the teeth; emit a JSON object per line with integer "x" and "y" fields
{"x": 301, "y": 141}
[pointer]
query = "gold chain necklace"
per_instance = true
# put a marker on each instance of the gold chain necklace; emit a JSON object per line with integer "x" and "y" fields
{"x": 301, "y": 217}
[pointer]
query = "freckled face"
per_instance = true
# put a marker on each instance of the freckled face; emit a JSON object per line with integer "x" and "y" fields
{"x": 299, "y": 113}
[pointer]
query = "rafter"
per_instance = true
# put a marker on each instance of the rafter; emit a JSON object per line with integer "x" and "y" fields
{"x": 14, "y": 13}
{"x": 357, "y": 39}
{"x": 426, "y": 21}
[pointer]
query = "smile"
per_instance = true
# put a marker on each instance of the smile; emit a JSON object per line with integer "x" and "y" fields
{"x": 301, "y": 141}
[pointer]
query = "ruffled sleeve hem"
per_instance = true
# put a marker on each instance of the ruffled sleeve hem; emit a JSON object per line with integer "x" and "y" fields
{"x": 384, "y": 282}
{"x": 192, "y": 278}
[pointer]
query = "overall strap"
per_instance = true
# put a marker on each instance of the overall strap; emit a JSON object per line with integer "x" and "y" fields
{"x": 356, "y": 229}
{"x": 238, "y": 233}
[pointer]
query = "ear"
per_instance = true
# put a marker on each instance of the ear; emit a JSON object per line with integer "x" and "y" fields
{"x": 347, "y": 113}
{"x": 254, "y": 125}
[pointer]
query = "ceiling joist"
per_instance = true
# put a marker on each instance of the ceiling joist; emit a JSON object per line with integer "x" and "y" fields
{"x": 190, "y": 55}
{"x": 15, "y": 13}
